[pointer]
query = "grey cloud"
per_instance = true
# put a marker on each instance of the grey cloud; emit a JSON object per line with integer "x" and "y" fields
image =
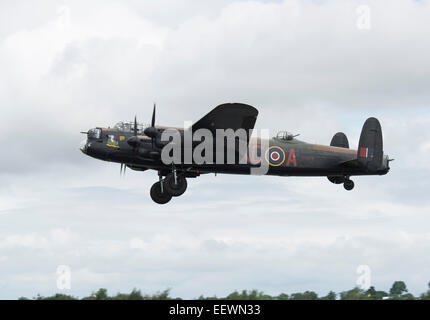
{"x": 305, "y": 66}
{"x": 296, "y": 60}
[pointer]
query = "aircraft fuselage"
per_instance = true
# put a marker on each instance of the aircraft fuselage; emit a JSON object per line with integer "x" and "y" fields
{"x": 297, "y": 158}
{"x": 140, "y": 149}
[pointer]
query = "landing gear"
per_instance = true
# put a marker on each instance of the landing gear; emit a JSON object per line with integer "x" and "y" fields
{"x": 348, "y": 184}
{"x": 159, "y": 195}
{"x": 176, "y": 186}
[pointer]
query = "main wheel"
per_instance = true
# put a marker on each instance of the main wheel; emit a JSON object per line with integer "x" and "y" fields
{"x": 158, "y": 196}
{"x": 349, "y": 185}
{"x": 177, "y": 189}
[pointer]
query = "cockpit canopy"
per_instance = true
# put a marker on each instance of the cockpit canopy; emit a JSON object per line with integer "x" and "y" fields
{"x": 285, "y": 135}
{"x": 129, "y": 127}
{"x": 94, "y": 133}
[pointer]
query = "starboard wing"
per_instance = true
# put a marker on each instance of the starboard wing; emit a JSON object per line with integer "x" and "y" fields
{"x": 229, "y": 116}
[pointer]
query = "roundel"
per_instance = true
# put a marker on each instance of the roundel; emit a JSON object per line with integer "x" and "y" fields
{"x": 275, "y": 156}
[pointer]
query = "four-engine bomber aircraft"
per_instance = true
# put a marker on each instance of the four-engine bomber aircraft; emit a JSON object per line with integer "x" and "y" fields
{"x": 140, "y": 148}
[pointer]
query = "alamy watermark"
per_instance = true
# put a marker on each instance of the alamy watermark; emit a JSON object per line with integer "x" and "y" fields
{"x": 64, "y": 277}
{"x": 364, "y": 280}
{"x": 363, "y": 17}
{"x": 216, "y": 147}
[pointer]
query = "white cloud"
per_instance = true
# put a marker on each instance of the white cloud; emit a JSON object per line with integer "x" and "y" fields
{"x": 61, "y": 236}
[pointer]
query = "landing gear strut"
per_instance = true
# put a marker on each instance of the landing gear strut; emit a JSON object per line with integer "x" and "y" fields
{"x": 175, "y": 186}
{"x": 348, "y": 184}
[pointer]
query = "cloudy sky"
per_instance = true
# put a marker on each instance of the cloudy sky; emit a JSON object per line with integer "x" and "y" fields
{"x": 310, "y": 67}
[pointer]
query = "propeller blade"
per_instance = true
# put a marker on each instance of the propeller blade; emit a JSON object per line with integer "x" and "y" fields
{"x": 153, "y": 116}
{"x": 122, "y": 171}
{"x": 151, "y": 131}
{"x": 135, "y": 125}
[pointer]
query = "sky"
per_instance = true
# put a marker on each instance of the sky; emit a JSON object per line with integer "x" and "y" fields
{"x": 310, "y": 67}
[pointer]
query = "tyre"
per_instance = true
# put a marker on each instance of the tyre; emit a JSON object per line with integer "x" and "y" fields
{"x": 349, "y": 185}
{"x": 336, "y": 180}
{"x": 177, "y": 189}
{"x": 158, "y": 196}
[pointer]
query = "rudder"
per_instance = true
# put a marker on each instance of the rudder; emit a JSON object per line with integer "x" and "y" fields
{"x": 370, "y": 149}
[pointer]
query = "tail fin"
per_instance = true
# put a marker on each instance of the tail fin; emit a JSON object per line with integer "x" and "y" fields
{"x": 370, "y": 148}
{"x": 340, "y": 140}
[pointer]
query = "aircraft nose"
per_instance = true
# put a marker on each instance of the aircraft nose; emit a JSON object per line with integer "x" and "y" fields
{"x": 83, "y": 146}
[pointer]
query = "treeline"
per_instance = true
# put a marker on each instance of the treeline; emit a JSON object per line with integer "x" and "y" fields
{"x": 398, "y": 291}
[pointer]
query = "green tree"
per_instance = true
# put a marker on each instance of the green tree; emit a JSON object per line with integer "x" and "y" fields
{"x": 248, "y": 295}
{"x": 354, "y": 294}
{"x": 375, "y": 295}
{"x": 202, "y": 297}
{"x": 398, "y": 291}
{"x": 59, "y": 296}
{"x": 163, "y": 295}
{"x": 307, "y": 295}
{"x": 101, "y": 294}
{"x": 407, "y": 296}
{"x": 398, "y": 288}
{"x": 121, "y": 296}
{"x": 425, "y": 296}
{"x": 330, "y": 296}
{"x": 135, "y": 295}
{"x": 283, "y": 296}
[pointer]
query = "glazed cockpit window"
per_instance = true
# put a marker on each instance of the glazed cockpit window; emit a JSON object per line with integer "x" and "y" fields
{"x": 129, "y": 127}
{"x": 94, "y": 134}
{"x": 285, "y": 135}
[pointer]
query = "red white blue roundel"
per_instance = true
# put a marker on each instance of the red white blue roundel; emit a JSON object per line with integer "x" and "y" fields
{"x": 275, "y": 156}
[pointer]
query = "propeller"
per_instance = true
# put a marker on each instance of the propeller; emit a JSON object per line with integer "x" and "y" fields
{"x": 134, "y": 141}
{"x": 151, "y": 131}
{"x": 122, "y": 170}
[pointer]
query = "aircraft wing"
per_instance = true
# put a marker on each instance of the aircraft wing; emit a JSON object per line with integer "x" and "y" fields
{"x": 229, "y": 116}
